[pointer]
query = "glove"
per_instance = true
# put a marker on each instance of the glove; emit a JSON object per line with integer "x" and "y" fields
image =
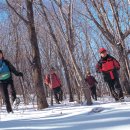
{"x": 20, "y": 74}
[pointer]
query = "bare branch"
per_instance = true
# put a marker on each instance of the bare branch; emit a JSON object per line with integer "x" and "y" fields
{"x": 106, "y": 33}
{"x": 126, "y": 34}
{"x": 20, "y": 16}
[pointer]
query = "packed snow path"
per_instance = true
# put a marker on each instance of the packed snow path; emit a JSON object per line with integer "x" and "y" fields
{"x": 69, "y": 116}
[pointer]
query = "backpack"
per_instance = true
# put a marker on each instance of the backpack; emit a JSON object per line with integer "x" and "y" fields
{"x": 4, "y": 71}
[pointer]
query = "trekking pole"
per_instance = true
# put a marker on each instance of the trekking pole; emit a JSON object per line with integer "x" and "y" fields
{"x": 22, "y": 84}
{"x": 0, "y": 106}
{"x": 0, "y": 110}
{"x": 23, "y": 89}
{"x": 51, "y": 97}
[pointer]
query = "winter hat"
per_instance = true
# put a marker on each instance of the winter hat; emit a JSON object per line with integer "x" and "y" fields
{"x": 102, "y": 50}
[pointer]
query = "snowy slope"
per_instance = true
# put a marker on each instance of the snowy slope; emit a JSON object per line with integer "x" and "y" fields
{"x": 102, "y": 115}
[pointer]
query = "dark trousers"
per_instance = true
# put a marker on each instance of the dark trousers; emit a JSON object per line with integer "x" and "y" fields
{"x": 5, "y": 94}
{"x": 115, "y": 89}
{"x": 58, "y": 94}
{"x": 93, "y": 92}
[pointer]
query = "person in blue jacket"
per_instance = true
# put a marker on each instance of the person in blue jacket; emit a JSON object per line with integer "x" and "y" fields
{"x": 6, "y": 70}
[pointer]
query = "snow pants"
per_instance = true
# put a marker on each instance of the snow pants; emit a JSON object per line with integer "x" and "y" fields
{"x": 93, "y": 92}
{"x": 5, "y": 94}
{"x": 58, "y": 94}
{"x": 115, "y": 89}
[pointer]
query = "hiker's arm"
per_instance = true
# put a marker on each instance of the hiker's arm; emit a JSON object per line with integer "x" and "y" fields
{"x": 116, "y": 64}
{"x": 13, "y": 69}
{"x": 98, "y": 67}
{"x": 95, "y": 80}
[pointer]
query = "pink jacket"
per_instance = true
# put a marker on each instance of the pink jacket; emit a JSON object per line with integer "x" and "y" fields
{"x": 52, "y": 80}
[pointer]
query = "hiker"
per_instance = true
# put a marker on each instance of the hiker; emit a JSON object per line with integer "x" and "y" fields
{"x": 109, "y": 67}
{"x": 6, "y": 70}
{"x": 52, "y": 80}
{"x": 92, "y": 84}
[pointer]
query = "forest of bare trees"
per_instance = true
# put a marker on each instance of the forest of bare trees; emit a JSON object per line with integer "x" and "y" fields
{"x": 66, "y": 34}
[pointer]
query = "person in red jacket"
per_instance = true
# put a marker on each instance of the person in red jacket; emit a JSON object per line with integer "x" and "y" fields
{"x": 92, "y": 84}
{"x": 109, "y": 67}
{"x": 53, "y": 81}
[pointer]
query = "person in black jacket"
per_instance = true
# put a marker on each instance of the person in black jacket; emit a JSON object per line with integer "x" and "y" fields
{"x": 6, "y": 70}
{"x": 109, "y": 67}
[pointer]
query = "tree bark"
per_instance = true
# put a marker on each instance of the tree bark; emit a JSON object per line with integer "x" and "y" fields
{"x": 37, "y": 75}
{"x": 67, "y": 78}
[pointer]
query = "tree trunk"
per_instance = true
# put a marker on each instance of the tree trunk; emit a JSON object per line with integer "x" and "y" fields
{"x": 37, "y": 75}
{"x": 67, "y": 78}
{"x": 70, "y": 46}
{"x": 125, "y": 69}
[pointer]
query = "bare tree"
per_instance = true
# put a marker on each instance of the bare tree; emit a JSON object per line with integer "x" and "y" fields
{"x": 58, "y": 49}
{"x": 37, "y": 75}
{"x": 113, "y": 32}
{"x": 69, "y": 41}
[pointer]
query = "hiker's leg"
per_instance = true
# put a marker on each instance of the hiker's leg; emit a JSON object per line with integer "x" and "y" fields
{"x": 1, "y": 93}
{"x": 56, "y": 95}
{"x": 94, "y": 92}
{"x": 6, "y": 98}
{"x": 13, "y": 91}
{"x": 111, "y": 84}
{"x": 60, "y": 95}
{"x": 118, "y": 89}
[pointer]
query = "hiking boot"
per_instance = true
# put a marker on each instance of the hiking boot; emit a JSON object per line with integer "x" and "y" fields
{"x": 9, "y": 110}
{"x": 121, "y": 99}
{"x": 16, "y": 102}
{"x": 57, "y": 102}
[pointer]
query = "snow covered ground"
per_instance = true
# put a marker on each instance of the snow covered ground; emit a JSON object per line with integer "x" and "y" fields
{"x": 104, "y": 114}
